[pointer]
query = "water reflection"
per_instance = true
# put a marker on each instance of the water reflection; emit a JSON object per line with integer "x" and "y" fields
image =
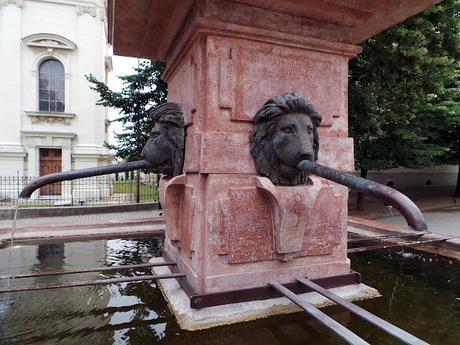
{"x": 420, "y": 295}
{"x": 51, "y": 254}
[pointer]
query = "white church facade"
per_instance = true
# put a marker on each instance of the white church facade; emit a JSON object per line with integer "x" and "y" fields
{"x": 49, "y": 120}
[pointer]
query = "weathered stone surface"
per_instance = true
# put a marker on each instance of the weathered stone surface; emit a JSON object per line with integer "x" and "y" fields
{"x": 150, "y": 28}
{"x": 196, "y": 319}
{"x": 242, "y": 238}
{"x": 223, "y": 153}
{"x": 226, "y": 230}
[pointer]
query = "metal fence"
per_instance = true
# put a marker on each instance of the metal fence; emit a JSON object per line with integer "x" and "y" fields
{"x": 134, "y": 187}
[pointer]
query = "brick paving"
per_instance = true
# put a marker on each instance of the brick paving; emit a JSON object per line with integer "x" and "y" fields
{"x": 80, "y": 219}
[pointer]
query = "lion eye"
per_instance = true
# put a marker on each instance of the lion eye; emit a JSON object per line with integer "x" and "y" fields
{"x": 287, "y": 130}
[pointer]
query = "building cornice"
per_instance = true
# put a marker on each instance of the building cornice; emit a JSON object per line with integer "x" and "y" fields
{"x": 50, "y": 114}
{"x": 18, "y": 3}
{"x": 12, "y": 150}
{"x": 50, "y": 117}
{"x": 48, "y": 41}
{"x": 31, "y": 133}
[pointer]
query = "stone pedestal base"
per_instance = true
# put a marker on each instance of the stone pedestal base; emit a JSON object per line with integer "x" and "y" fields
{"x": 197, "y": 319}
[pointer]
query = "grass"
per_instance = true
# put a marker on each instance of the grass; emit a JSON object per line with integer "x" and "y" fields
{"x": 147, "y": 193}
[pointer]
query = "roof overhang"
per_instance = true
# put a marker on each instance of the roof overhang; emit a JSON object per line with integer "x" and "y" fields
{"x": 148, "y": 28}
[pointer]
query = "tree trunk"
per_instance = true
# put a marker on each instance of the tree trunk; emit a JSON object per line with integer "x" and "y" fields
{"x": 457, "y": 188}
{"x": 360, "y": 196}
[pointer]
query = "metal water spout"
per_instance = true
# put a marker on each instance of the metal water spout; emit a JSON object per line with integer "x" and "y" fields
{"x": 163, "y": 153}
{"x": 82, "y": 173}
{"x": 401, "y": 202}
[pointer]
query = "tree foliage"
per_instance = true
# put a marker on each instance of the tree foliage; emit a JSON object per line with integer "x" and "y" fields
{"x": 404, "y": 93}
{"x": 141, "y": 90}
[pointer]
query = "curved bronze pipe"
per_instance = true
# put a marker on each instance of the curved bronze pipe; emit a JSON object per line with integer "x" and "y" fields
{"x": 402, "y": 203}
{"x": 74, "y": 174}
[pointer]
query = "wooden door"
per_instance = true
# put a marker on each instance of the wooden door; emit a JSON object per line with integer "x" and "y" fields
{"x": 50, "y": 162}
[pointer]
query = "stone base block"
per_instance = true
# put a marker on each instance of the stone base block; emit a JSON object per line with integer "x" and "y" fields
{"x": 197, "y": 319}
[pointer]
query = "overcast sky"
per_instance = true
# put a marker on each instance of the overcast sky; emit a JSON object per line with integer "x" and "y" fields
{"x": 121, "y": 66}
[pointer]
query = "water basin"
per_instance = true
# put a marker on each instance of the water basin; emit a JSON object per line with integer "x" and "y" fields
{"x": 420, "y": 294}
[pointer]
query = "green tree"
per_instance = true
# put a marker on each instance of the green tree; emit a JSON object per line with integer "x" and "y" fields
{"x": 141, "y": 90}
{"x": 404, "y": 95}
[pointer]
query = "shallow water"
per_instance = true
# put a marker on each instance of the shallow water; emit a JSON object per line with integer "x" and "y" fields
{"x": 421, "y": 293}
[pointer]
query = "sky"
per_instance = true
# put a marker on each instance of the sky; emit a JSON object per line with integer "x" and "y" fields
{"x": 121, "y": 66}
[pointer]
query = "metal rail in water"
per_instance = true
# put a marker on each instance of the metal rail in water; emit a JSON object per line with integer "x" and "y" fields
{"x": 337, "y": 328}
{"x": 334, "y": 326}
{"x": 389, "y": 195}
{"x": 389, "y": 328}
{"x": 396, "y": 244}
{"x": 384, "y": 237}
{"x": 91, "y": 282}
{"x": 87, "y": 270}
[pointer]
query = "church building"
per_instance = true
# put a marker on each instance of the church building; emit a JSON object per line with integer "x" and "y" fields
{"x": 49, "y": 120}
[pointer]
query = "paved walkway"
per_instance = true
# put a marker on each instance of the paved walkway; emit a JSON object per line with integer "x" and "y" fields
{"x": 87, "y": 218}
{"x": 441, "y": 210}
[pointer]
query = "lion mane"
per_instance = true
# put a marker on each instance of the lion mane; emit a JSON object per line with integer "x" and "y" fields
{"x": 171, "y": 117}
{"x": 266, "y": 161}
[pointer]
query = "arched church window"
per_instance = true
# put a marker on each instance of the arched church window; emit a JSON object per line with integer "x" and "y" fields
{"x": 51, "y": 86}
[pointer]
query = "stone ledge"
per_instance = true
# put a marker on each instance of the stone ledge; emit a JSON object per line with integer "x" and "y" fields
{"x": 50, "y": 114}
{"x": 197, "y": 319}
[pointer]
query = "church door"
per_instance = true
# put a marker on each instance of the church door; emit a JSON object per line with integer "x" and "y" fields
{"x": 50, "y": 162}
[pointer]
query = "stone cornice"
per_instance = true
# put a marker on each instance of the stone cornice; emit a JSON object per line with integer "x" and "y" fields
{"x": 50, "y": 117}
{"x": 47, "y": 40}
{"x": 50, "y": 114}
{"x": 18, "y": 3}
{"x": 209, "y": 27}
{"x": 12, "y": 150}
{"x": 30, "y": 133}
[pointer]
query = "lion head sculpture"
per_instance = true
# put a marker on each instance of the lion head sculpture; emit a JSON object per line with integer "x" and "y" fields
{"x": 284, "y": 134}
{"x": 164, "y": 149}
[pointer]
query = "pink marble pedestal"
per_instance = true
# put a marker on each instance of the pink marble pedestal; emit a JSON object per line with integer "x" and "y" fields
{"x": 227, "y": 227}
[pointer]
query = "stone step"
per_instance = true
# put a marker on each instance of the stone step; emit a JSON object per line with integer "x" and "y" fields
{"x": 83, "y": 225}
{"x": 56, "y": 233}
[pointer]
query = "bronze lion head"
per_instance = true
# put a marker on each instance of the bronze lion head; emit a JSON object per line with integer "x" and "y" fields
{"x": 285, "y": 133}
{"x": 164, "y": 149}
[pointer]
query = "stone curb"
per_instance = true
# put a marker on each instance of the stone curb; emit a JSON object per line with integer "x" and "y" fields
{"x": 369, "y": 228}
{"x": 76, "y": 210}
{"x": 85, "y": 225}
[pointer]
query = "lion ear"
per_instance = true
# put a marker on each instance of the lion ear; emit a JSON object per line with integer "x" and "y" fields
{"x": 150, "y": 112}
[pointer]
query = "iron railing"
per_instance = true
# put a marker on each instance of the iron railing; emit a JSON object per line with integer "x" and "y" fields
{"x": 113, "y": 189}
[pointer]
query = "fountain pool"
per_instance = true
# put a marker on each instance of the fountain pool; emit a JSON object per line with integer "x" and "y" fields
{"x": 420, "y": 294}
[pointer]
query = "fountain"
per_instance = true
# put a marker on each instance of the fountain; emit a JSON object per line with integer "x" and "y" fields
{"x": 246, "y": 204}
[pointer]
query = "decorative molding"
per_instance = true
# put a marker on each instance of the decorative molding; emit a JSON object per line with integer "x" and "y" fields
{"x": 48, "y": 41}
{"x": 39, "y": 117}
{"x": 91, "y": 10}
{"x": 29, "y": 133}
{"x": 18, "y": 3}
{"x": 108, "y": 64}
{"x": 12, "y": 150}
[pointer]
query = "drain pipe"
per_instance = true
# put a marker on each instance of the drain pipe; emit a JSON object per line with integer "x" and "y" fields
{"x": 402, "y": 203}
{"x": 82, "y": 173}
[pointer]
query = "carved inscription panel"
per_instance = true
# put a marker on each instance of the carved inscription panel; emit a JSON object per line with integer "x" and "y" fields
{"x": 247, "y": 232}
{"x": 261, "y": 74}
